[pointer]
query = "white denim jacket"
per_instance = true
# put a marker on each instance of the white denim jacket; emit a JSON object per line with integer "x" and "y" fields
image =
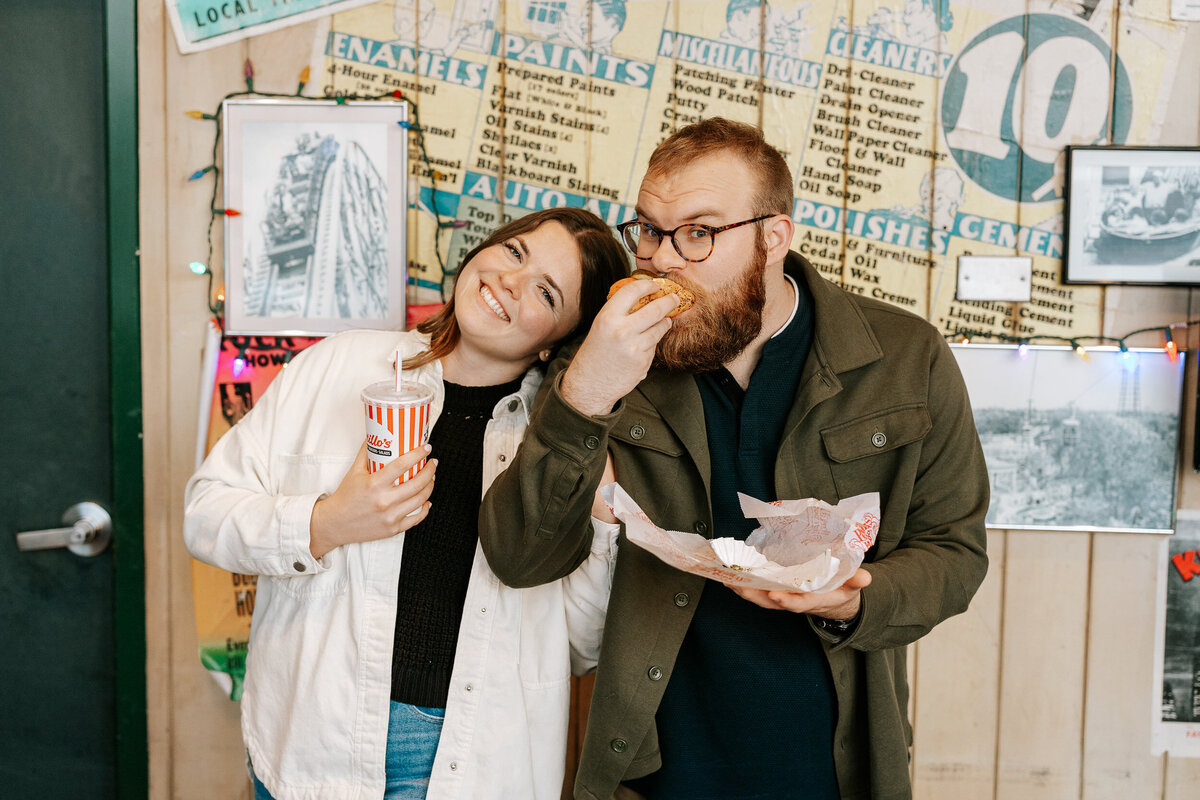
{"x": 319, "y": 668}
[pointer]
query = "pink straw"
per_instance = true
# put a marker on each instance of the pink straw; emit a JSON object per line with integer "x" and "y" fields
{"x": 397, "y": 373}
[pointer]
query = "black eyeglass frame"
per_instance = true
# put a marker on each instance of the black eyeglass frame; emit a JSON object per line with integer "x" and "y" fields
{"x": 712, "y": 231}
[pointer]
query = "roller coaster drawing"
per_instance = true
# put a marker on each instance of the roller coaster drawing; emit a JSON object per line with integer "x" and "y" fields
{"x": 322, "y": 249}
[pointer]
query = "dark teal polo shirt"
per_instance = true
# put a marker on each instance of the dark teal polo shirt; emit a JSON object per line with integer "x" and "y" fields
{"x": 750, "y": 708}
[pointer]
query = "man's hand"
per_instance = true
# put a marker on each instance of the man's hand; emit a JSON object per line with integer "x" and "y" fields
{"x": 840, "y": 603}
{"x": 367, "y": 506}
{"x": 618, "y": 350}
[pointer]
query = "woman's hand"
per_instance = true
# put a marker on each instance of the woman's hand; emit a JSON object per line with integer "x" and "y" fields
{"x": 367, "y": 506}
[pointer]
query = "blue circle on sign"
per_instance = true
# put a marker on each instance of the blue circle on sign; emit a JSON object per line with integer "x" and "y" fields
{"x": 999, "y": 174}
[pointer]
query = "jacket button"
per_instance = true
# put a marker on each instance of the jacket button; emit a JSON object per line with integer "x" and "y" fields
{"x": 503, "y": 457}
{"x": 591, "y": 442}
{"x": 453, "y": 766}
{"x": 655, "y": 674}
{"x": 618, "y": 745}
{"x": 682, "y": 599}
{"x": 513, "y": 405}
{"x": 469, "y": 687}
{"x": 879, "y": 439}
{"x": 299, "y": 567}
{"x": 700, "y": 527}
{"x": 637, "y": 432}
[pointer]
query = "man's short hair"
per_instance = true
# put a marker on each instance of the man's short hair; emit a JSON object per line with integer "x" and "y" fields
{"x": 716, "y": 135}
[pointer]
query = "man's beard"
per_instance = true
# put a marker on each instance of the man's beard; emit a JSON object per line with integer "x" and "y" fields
{"x": 720, "y": 325}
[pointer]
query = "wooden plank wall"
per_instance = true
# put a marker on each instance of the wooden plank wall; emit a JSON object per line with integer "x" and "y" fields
{"x": 1041, "y": 690}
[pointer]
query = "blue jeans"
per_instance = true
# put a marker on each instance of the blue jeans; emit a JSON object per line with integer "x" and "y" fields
{"x": 413, "y": 734}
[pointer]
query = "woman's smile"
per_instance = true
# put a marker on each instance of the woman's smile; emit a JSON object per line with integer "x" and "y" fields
{"x": 493, "y": 303}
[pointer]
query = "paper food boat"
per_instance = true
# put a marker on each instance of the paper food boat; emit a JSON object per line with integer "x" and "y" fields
{"x": 800, "y": 545}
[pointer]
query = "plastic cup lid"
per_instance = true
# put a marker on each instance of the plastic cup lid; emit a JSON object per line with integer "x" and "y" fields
{"x": 409, "y": 394}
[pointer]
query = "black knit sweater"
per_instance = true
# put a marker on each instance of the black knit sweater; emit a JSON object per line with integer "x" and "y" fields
{"x": 438, "y": 553}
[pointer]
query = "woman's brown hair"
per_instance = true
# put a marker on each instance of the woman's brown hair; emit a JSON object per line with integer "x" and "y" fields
{"x": 602, "y": 261}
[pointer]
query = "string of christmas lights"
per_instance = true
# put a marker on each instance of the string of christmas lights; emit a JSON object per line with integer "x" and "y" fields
{"x": 1077, "y": 343}
{"x": 962, "y": 335}
{"x": 216, "y": 305}
{"x": 248, "y": 345}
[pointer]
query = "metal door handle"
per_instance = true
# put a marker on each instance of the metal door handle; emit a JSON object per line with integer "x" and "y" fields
{"x": 89, "y": 532}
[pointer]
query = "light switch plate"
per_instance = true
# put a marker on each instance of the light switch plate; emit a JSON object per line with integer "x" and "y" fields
{"x": 995, "y": 278}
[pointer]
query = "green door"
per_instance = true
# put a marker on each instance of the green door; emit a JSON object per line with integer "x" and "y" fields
{"x": 72, "y": 723}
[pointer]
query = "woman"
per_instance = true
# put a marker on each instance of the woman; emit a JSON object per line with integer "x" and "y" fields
{"x": 384, "y": 662}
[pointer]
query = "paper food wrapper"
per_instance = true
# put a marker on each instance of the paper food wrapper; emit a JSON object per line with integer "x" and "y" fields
{"x": 799, "y": 546}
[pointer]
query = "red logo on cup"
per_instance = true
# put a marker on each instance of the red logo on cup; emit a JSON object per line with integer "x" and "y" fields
{"x": 379, "y": 441}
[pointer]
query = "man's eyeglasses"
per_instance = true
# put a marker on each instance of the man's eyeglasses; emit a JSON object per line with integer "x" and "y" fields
{"x": 693, "y": 242}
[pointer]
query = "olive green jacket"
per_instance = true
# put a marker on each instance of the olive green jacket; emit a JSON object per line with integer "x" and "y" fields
{"x": 881, "y": 407}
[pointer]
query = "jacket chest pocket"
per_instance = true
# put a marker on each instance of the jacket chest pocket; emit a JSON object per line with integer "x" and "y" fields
{"x": 872, "y": 453}
{"x": 301, "y": 474}
{"x": 649, "y": 460}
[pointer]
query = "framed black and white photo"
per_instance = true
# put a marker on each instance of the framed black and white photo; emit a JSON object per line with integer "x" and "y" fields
{"x": 321, "y": 187}
{"x": 1075, "y": 444}
{"x": 1132, "y": 215}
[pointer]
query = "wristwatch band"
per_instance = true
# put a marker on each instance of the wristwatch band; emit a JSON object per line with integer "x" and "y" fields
{"x": 838, "y": 627}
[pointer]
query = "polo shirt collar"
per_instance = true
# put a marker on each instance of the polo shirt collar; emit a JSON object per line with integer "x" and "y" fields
{"x": 795, "y": 305}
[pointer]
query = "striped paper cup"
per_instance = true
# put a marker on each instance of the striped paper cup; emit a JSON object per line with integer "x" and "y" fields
{"x": 397, "y": 422}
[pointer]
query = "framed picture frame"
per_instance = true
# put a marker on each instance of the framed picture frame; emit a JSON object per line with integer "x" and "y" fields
{"x": 1074, "y": 444}
{"x": 1132, "y": 215}
{"x": 321, "y": 189}
{"x": 1176, "y": 703}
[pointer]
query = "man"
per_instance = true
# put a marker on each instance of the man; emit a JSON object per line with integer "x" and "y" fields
{"x": 942, "y": 192}
{"x": 592, "y": 25}
{"x": 780, "y": 385}
{"x": 743, "y": 22}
